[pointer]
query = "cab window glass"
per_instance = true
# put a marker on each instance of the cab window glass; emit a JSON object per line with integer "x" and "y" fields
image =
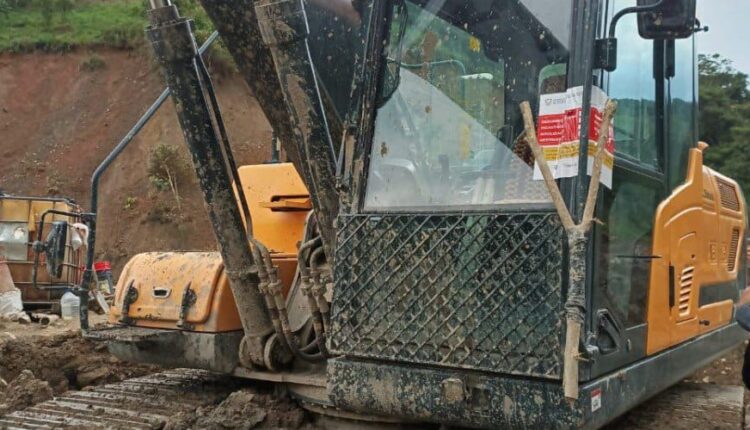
{"x": 625, "y": 245}
{"x": 682, "y": 111}
{"x": 634, "y": 88}
{"x": 448, "y": 130}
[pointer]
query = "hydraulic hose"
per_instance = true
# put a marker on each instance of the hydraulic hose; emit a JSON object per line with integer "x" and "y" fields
{"x": 319, "y": 289}
{"x": 307, "y": 289}
{"x": 271, "y": 288}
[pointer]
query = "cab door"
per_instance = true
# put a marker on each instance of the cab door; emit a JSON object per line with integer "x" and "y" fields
{"x": 646, "y": 153}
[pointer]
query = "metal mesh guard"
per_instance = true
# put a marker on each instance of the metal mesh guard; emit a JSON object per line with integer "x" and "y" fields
{"x": 470, "y": 291}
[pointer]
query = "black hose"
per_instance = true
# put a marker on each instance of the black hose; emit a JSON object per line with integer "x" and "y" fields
{"x": 317, "y": 317}
{"x": 270, "y": 288}
{"x": 303, "y": 253}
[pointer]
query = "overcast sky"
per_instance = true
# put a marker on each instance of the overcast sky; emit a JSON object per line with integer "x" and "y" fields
{"x": 729, "y": 33}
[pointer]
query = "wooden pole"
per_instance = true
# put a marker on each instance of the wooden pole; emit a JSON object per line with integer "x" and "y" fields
{"x": 577, "y": 239}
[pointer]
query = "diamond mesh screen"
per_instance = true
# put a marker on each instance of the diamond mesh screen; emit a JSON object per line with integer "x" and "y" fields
{"x": 470, "y": 291}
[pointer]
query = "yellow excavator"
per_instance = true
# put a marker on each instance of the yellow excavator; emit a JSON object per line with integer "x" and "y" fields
{"x": 408, "y": 264}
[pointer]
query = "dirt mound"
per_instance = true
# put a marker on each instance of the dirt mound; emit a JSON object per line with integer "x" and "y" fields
{"x": 65, "y": 361}
{"x": 245, "y": 409}
{"x": 24, "y": 391}
{"x": 56, "y": 130}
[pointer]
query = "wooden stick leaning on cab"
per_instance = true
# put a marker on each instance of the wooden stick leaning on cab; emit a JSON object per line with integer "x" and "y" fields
{"x": 577, "y": 240}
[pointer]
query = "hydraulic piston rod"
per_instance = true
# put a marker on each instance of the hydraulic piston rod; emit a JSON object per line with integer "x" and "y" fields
{"x": 172, "y": 38}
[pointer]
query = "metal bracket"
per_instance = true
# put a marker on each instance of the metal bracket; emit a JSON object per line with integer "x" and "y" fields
{"x": 131, "y": 295}
{"x": 188, "y": 300}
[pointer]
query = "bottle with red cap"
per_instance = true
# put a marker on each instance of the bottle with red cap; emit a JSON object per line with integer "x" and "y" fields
{"x": 104, "y": 277}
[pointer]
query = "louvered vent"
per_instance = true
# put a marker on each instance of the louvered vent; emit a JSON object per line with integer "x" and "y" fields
{"x": 686, "y": 290}
{"x": 734, "y": 245}
{"x": 728, "y": 193}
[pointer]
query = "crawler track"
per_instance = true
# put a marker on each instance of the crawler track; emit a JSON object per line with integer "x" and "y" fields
{"x": 140, "y": 403}
{"x": 148, "y": 402}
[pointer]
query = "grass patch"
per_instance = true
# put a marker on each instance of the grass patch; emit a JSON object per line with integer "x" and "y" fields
{"x": 62, "y": 25}
{"x": 55, "y": 26}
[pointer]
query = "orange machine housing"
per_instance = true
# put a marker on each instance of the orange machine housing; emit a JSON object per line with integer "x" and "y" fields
{"x": 279, "y": 206}
{"x": 698, "y": 236}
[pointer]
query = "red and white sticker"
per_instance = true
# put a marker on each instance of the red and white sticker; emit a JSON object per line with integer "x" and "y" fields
{"x": 596, "y": 399}
{"x": 559, "y": 130}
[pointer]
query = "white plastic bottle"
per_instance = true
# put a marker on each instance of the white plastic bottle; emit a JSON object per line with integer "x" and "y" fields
{"x": 69, "y": 306}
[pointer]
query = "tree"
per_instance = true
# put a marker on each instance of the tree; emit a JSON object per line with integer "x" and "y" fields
{"x": 165, "y": 166}
{"x": 725, "y": 118}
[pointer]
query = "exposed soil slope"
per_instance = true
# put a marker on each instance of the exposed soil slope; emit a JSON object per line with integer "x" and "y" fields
{"x": 58, "y": 120}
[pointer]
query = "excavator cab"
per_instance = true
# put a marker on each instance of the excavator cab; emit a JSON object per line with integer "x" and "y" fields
{"x": 451, "y": 266}
{"x": 433, "y": 275}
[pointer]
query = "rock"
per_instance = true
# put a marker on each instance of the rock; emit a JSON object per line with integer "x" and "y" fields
{"x": 91, "y": 376}
{"x": 25, "y": 391}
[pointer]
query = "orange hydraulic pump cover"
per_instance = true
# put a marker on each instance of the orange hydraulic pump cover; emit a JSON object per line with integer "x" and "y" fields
{"x": 161, "y": 279}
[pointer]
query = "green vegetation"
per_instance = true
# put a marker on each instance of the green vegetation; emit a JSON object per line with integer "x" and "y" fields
{"x": 725, "y": 118}
{"x": 92, "y": 63}
{"x": 130, "y": 203}
{"x": 166, "y": 165}
{"x": 61, "y": 25}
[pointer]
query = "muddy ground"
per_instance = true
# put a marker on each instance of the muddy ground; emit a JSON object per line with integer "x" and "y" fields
{"x": 38, "y": 363}
{"x": 248, "y": 408}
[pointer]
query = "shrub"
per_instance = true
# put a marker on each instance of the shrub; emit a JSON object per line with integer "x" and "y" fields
{"x": 166, "y": 166}
{"x": 92, "y": 63}
{"x": 130, "y": 203}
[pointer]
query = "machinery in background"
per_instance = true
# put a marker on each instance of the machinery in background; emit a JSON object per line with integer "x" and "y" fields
{"x": 26, "y": 220}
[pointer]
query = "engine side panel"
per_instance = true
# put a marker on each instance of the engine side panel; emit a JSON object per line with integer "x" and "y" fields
{"x": 696, "y": 274}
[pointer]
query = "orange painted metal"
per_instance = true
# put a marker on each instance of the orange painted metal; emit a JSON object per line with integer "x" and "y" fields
{"x": 279, "y": 206}
{"x": 161, "y": 279}
{"x": 697, "y": 235}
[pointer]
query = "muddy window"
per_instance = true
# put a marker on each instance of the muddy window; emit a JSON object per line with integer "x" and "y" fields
{"x": 448, "y": 131}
